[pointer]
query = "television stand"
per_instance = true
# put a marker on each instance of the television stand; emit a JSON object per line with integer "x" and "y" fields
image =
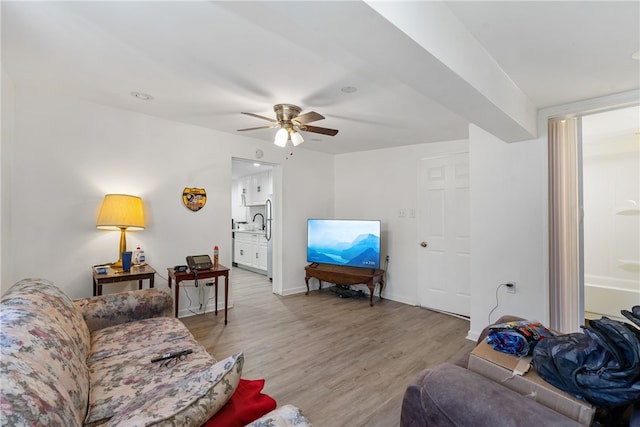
{"x": 346, "y": 276}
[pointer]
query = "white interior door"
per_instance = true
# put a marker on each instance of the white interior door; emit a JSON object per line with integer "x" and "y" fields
{"x": 443, "y": 234}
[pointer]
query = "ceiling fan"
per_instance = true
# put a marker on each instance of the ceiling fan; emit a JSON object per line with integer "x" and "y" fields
{"x": 290, "y": 123}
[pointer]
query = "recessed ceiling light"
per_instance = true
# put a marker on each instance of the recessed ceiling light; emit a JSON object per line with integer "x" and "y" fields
{"x": 349, "y": 89}
{"x": 636, "y": 56}
{"x": 142, "y": 96}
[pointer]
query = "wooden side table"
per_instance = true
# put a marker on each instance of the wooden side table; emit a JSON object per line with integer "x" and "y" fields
{"x": 138, "y": 272}
{"x": 342, "y": 275}
{"x": 219, "y": 271}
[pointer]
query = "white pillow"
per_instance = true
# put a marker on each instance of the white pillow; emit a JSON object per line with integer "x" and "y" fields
{"x": 284, "y": 416}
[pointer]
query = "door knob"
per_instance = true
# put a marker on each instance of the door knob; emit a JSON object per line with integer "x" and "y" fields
{"x": 423, "y": 244}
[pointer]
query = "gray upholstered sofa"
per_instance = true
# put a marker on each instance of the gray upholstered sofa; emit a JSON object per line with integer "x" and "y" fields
{"x": 88, "y": 362}
{"x": 452, "y": 395}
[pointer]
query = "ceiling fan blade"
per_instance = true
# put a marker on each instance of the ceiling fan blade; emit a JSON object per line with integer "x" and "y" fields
{"x": 309, "y": 117}
{"x": 260, "y": 117}
{"x": 316, "y": 129}
{"x": 259, "y": 127}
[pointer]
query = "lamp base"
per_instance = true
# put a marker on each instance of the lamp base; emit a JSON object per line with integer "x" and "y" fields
{"x": 121, "y": 248}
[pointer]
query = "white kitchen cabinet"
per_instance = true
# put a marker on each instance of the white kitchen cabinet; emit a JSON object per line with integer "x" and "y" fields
{"x": 261, "y": 254}
{"x": 250, "y": 250}
{"x": 256, "y": 188}
{"x": 242, "y": 251}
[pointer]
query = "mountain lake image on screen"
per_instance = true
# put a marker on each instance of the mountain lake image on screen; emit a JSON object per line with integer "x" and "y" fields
{"x": 354, "y": 243}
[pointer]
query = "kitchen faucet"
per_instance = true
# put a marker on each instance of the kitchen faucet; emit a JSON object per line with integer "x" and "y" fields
{"x": 261, "y": 216}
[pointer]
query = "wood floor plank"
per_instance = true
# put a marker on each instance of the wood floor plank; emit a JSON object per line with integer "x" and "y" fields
{"x": 341, "y": 361}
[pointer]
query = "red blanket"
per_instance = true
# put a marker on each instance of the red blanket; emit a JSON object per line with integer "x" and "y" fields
{"x": 246, "y": 404}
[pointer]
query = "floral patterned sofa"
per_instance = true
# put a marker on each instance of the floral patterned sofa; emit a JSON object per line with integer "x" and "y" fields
{"x": 87, "y": 362}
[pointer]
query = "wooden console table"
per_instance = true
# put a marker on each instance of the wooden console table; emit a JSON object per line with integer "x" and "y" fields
{"x": 138, "y": 272}
{"x": 215, "y": 272}
{"x": 341, "y": 275}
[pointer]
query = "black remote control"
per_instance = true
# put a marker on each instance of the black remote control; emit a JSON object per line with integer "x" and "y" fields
{"x": 171, "y": 355}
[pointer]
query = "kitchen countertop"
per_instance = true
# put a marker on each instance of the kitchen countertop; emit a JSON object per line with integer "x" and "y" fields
{"x": 262, "y": 232}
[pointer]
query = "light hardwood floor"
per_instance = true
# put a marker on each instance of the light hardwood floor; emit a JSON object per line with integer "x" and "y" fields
{"x": 341, "y": 361}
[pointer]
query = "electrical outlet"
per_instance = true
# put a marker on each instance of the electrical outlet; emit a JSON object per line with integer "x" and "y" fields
{"x": 402, "y": 213}
{"x": 511, "y": 287}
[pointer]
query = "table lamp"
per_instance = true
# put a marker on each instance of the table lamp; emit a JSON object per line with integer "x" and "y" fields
{"x": 121, "y": 212}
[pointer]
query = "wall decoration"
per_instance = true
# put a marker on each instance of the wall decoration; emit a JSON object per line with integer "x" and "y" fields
{"x": 194, "y": 198}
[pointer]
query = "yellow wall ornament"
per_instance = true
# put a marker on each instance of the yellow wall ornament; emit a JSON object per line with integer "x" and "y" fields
{"x": 194, "y": 198}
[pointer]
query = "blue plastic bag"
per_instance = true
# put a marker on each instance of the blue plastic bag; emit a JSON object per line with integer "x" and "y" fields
{"x": 517, "y": 338}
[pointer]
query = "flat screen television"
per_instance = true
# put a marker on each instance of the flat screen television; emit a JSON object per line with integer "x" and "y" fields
{"x": 348, "y": 242}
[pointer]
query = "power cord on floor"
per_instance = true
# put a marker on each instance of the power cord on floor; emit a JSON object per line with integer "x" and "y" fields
{"x": 201, "y": 296}
{"x": 191, "y": 301}
{"x": 203, "y": 301}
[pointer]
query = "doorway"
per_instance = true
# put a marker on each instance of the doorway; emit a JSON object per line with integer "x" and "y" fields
{"x": 566, "y": 231}
{"x": 443, "y": 227}
{"x": 611, "y": 220}
{"x": 253, "y": 189}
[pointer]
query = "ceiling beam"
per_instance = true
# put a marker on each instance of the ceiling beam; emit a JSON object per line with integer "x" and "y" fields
{"x": 455, "y": 70}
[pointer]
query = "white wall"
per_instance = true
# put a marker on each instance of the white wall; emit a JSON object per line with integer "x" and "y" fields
{"x": 508, "y": 228}
{"x": 508, "y": 218}
{"x": 6, "y": 122}
{"x": 69, "y": 153}
{"x": 377, "y": 185}
{"x": 308, "y": 195}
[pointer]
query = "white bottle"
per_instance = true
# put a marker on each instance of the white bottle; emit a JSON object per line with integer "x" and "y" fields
{"x": 142, "y": 258}
{"x": 136, "y": 256}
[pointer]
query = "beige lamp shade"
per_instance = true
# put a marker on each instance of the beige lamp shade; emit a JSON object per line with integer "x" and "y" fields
{"x": 121, "y": 212}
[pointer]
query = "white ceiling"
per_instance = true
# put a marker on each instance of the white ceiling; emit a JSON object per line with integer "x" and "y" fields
{"x": 243, "y": 167}
{"x": 411, "y": 62}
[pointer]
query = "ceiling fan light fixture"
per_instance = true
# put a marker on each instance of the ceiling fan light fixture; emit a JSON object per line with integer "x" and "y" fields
{"x": 281, "y": 137}
{"x": 289, "y": 123}
{"x": 296, "y": 138}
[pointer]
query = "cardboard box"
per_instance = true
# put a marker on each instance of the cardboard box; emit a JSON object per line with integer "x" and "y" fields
{"x": 501, "y": 367}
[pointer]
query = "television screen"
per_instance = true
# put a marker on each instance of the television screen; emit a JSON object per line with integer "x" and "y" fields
{"x": 354, "y": 243}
